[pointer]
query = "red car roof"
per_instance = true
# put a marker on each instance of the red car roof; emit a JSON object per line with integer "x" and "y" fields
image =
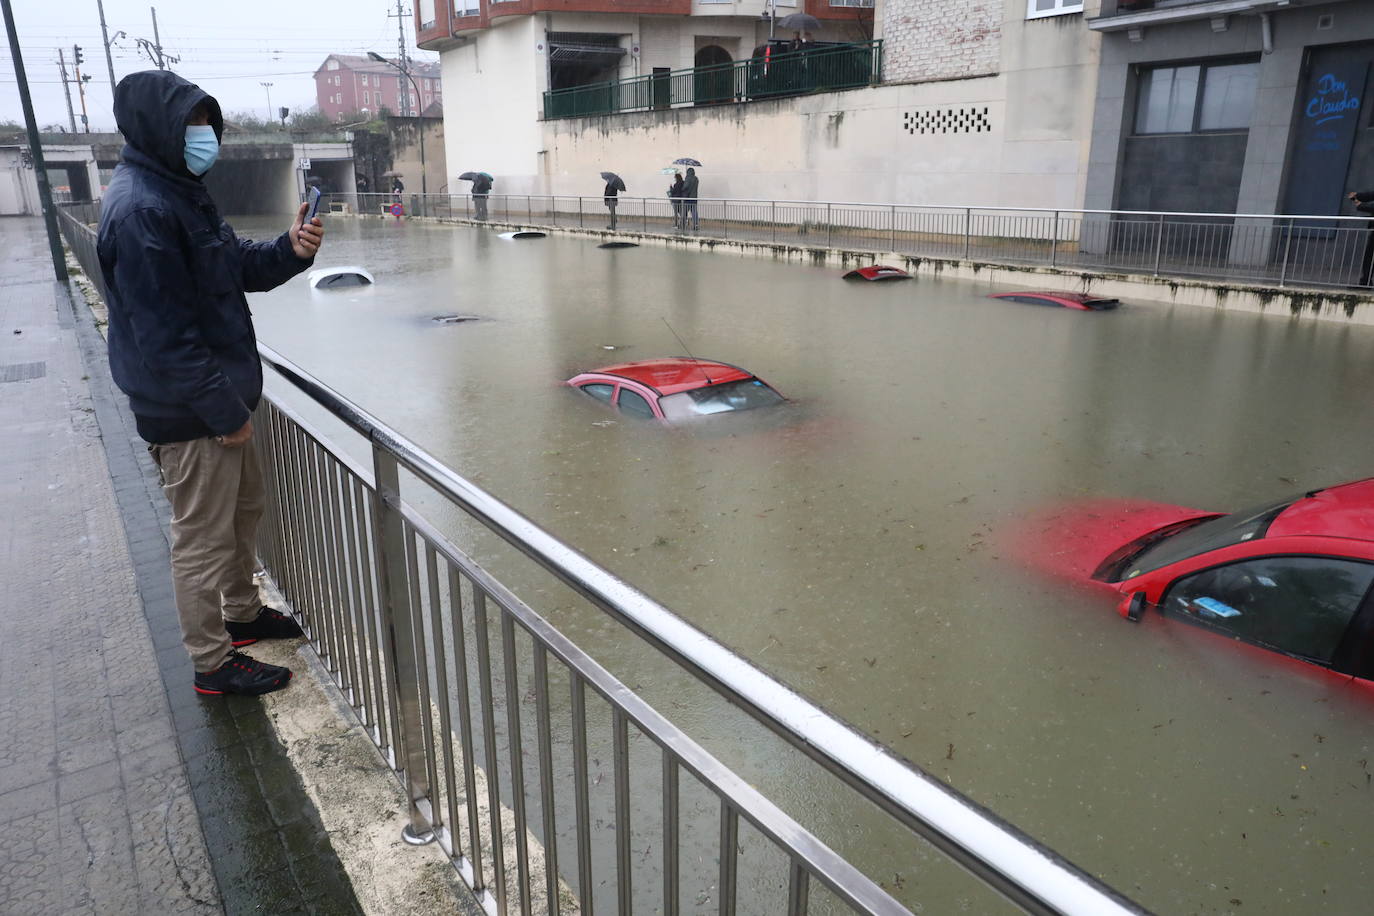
{"x": 676, "y": 373}
{"x": 1346, "y": 511}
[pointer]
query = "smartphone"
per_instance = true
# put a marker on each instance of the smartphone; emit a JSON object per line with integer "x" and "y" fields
{"x": 314, "y": 198}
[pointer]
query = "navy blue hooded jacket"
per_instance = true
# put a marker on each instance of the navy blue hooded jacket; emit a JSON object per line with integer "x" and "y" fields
{"x": 181, "y": 336}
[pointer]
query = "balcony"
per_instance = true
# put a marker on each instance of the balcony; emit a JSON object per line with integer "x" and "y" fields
{"x": 1121, "y": 15}
{"x": 823, "y": 68}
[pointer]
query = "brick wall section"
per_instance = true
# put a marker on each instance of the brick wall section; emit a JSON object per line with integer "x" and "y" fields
{"x": 940, "y": 39}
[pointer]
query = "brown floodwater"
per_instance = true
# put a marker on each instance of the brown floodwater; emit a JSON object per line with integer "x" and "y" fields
{"x": 853, "y": 542}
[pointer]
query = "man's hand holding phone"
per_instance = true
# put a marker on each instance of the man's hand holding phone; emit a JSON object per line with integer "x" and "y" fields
{"x": 307, "y": 233}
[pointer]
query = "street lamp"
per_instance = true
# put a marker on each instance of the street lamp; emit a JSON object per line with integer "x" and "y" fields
{"x": 419, "y": 103}
{"x": 268, "y": 87}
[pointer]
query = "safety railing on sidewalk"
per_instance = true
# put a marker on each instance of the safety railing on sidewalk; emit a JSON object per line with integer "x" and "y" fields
{"x": 1277, "y": 250}
{"x": 778, "y": 71}
{"x": 440, "y": 661}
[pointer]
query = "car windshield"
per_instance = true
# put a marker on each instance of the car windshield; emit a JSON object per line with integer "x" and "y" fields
{"x": 1211, "y": 534}
{"x": 741, "y": 395}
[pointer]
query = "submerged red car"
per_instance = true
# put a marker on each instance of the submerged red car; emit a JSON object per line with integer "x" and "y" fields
{"x": 1079, "y": 301}
{"x": 1295, "y": 576}
{"x": 677, "y": 388}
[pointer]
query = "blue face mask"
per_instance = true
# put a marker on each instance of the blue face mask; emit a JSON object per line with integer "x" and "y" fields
{"x": 202, "y": 148}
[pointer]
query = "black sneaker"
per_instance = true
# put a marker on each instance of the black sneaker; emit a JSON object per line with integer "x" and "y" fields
{"x": 269, "y": 624}
{"x": 240, "y": 674}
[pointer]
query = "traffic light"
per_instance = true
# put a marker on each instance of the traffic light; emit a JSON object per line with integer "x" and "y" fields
{"x": 76, "y": 54}
{"x": 284, "y": 112}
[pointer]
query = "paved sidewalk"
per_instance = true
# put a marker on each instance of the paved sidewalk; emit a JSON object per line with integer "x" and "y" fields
{"x": 109, "y": 762}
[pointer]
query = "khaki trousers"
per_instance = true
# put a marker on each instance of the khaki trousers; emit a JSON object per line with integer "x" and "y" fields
{"x": 217, "y": 499}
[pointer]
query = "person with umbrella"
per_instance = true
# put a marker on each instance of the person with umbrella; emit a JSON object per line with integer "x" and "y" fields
{"x": 614, "y": 185}
{"x": 481, "y": 187}
{"x": 675, "y": 196}
{"x": 689, "y": 200}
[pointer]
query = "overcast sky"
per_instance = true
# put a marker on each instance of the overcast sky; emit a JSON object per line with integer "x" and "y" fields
{"x": 230, "y": 50}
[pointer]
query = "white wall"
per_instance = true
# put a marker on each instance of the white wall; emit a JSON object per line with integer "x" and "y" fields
{"x": 492, "y": 105}
{"x": 861, "y": 145}
{"x": 18, "y": 186}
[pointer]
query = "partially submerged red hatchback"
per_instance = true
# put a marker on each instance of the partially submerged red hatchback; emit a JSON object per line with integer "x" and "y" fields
{"x": 1294, "y": 576}
{"x": 676, "y": 388}
{"x": 1079, "y": 301}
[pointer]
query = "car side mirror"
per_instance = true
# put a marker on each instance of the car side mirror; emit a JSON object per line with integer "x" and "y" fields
{"x": 1133, "y": 606}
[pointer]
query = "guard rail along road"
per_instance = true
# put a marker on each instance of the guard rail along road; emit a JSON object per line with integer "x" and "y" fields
{"x": 436, "y": 658}
{"x": 1266, "y": 249}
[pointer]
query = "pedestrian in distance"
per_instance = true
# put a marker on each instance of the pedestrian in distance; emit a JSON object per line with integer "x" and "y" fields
{"x": 481, "y": 187}
{"x": 675, "y": 192}
{"x": 183, "y": 349}
{"x": 1364, "y": 202}
{"x": 611, "y": 195}
{"x": 690, "y": 186}
{"x": 397, "y": 187}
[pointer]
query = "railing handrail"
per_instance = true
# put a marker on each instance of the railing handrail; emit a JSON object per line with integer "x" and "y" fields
{"x": 779, "y": 58}
{"x": 997, "y": 853}
{"x": 1063, "y": 211}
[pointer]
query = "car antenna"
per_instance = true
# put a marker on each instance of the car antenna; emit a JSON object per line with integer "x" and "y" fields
{"x": 689, "y": 352}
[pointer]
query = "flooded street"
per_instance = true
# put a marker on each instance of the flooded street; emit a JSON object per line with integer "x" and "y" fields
{"x": 855, "y": 542}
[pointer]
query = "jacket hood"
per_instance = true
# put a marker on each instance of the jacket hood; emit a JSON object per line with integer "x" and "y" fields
{"x": 151, "y": 108}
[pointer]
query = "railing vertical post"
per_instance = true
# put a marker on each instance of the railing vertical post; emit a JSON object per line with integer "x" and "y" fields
{"x": 724, "y": 218}
{"x": 1054, "y": 241}
{"x": 968, "y": 231}
{"x": 1159, "y": 242}
{"x": 529, "y": 209}
{"x": 1287, "y": 247}
{"x": 644, "y": 212}
{"x": 579, "y": 212}
{"x": 398, "y": 635}
{"x": 892, "y": 228}
{"x": 773, "y": 219}
{"x": 829, "y": 226}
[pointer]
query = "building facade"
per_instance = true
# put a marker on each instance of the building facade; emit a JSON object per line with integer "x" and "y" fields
{"x": 980, "y": 102}
{"x": 348, "y": 85}
{"x": 1242, "y": 106}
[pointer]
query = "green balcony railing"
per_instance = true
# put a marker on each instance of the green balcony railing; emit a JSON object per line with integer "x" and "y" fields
{"x": 823, "y": 68}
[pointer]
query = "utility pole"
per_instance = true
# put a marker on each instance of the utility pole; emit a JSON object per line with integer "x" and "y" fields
{"x": 399, "y": 15}
{"x": 157, "y": 42}
{"x": 105, "y": 37}
{"x": 268, "y": 87}
{"x": 40, "y": 168}
{"x": 66, "y": 86}
{"x": 81, "y": 86}
{"x": 154, "y": 48}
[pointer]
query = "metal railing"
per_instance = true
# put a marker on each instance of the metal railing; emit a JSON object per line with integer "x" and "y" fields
{"x": 816, "y": 69}
{"x": 1278, "y": 250}
{"x": 402, "y": 618}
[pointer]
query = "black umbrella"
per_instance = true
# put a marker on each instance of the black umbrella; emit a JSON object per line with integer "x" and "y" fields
{"x": 614, "y": 180}
{"x": 687, "y": 160}
{"x": 800, "y": 22}
{"x": 468, "y": 176}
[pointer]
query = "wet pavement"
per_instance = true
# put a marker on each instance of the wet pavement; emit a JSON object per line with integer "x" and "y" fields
{"x": 121, "y": 789}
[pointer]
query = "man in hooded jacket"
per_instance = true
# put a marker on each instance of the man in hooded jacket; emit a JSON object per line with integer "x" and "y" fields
{"x": 182, "y": 347}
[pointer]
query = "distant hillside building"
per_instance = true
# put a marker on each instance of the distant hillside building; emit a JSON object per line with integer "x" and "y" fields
{"x": 346, "y": 85}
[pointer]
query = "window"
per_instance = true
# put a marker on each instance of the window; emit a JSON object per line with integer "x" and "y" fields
{"x": 868, "y": 4}
{"x": 632, "y": 403}
{"x": 338, "y": 81}
{"x": 465, "y": 8}
{"x": 1038, "y": 9}
{"x": 1296, "y": 605}
{"x": 600, "y": 391}
{"x": 1196, "y": 97}
{"x": 367, "y": 97}
{"x": 331, "y": 64}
